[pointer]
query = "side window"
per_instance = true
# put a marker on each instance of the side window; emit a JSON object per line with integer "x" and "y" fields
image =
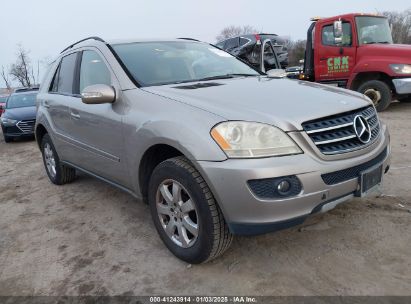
{"x": 54, "y": 83}
{"x": 220, "y": 44}
{"x": 327, "y": 35}
{"x": 65, "y": 78}
{"x": 243, "y": 41}
{"x": 93, "y": 70}
{"x": 231, "y": 44}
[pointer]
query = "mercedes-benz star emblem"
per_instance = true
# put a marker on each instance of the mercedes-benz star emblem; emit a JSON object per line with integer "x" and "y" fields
{"x": 362, "y": 129}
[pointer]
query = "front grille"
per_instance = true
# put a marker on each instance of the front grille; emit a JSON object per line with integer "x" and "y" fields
{"x": 335, "y": 134}
{"x": 26, "y": 126}
{"x": 353, "y": 172}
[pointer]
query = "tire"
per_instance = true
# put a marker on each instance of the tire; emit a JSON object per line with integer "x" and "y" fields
{"x": 7, "y": 139}
{"x": 213, "y": 236}
{"x": 58, "y": 174}
{"x": 378, "y": 91}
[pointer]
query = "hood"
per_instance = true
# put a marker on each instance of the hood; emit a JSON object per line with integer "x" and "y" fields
{"x": 25, "y": 113}
{"x": 399, "y": 53}
{"x": 281, "y": 102}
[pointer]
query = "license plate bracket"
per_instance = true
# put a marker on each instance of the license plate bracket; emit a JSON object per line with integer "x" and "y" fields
{"x": 370, "y": 181}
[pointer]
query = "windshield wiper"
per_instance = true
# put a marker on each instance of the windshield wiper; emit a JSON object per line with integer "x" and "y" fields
{"x": 377, "y": 42}
{"x": 226, "y": 76}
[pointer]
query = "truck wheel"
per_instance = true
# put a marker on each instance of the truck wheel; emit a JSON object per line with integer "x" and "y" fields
{"x": 58, "y": 173}
{"x": 7, "y": 139}
{"x": 378, "y": 91}
{"x": 185, "y": 213}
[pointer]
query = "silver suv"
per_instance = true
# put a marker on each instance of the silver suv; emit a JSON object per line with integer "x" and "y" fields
{"x": 215, "y": 147}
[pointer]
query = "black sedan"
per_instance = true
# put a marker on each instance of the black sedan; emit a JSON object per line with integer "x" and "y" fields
{"x": 20, "y": 115}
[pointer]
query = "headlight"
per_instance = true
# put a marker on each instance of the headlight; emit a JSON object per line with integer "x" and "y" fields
{"x": 240, "y": 139}
{"x": 8, "y": 121}
{"x": 401, "y": 68}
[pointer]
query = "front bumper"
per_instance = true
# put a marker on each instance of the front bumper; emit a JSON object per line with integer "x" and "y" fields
{"x": 402, "y": 85}
{"x": 247, "y": 214}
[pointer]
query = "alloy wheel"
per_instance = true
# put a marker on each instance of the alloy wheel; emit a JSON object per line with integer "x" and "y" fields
{"x": 177, "y": 213}
{"x": 50, "y": 160}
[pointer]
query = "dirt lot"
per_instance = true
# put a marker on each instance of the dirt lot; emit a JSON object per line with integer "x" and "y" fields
{"x": 90, "y": 238}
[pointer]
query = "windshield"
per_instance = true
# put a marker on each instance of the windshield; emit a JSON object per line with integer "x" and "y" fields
{"x": 157, "y": 63}
{"x": 373, "y": 30}
{"x": 21, "y": 101}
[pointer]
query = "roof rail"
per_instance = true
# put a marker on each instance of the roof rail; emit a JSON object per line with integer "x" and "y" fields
{"x": 187, "y": 38}
{"x": 88, "y": 38}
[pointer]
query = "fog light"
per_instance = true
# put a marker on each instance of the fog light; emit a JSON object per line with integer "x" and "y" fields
{"x": 283, "y": 187}
{"x": 277, "y": 187}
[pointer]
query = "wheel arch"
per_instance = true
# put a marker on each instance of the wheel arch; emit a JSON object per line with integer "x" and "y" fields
{"x": 153, "y": 156}
{"x": 362, "y": 77}
{"x": 39, "y": 133}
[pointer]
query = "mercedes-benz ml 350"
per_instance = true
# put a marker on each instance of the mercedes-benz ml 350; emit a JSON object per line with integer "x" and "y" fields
{"x": 215, "y": 147}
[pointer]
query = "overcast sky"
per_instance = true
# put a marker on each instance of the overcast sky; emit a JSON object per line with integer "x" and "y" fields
{"x": 45, "y": 27}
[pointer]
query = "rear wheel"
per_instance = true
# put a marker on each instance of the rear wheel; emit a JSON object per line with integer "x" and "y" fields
{"x": 58, "y": 173}
{"x": 185, "y": 213}
{"x": 378, "y": 91}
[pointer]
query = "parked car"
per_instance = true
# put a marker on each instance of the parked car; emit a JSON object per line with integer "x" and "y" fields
{"x": 3, "y": 100}
{"x": 248, "y": 48}
{"x": 19, "y": 116}
{"x": 294, "y": 72}
{"x": 215, "y": 147}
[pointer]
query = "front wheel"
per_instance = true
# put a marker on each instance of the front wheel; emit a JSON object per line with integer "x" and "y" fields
{"x": 378, "y": 91}
{"x": 185, "y": 213}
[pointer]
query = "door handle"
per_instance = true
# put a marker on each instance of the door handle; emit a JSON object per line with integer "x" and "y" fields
{"x": 323, "y": 58}
{"x": 74, "y": 115}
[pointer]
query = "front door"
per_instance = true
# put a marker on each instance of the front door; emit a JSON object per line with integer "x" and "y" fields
{"x": 334, "y": 62}
{"x": 97, "y": 129}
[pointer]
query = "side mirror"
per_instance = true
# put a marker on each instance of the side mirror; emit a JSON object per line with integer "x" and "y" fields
{"x": 98, "y": 93}
{"x": 338, "y": 31}
{"x": 276, "y": 73}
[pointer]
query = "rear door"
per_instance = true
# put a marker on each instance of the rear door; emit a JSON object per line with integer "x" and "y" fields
{"x": 60, "y": 95}
{"x": 332, "y": 61}
{"x": 97, "y": 129}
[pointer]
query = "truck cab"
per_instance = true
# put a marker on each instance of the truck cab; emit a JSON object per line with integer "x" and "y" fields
{"x": 356, "y": 51}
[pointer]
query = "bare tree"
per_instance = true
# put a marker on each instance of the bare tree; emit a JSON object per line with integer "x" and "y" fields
{"x": 401, "y": 25}
{"x": 5, "y": 76}
{"x": 296, "y": 51}
{"x": 232, "y": 31}
{"x": 21, "y": 70}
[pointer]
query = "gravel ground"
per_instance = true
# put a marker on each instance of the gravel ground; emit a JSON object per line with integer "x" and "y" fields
{"x": 88, "y": 238}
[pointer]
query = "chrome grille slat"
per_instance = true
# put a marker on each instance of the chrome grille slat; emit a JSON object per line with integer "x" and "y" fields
{"x": 334, "y": 140}
{"x": 335, "y": 134}
{"x": 26, "y": 126}
{"x": 330, "y": 128}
